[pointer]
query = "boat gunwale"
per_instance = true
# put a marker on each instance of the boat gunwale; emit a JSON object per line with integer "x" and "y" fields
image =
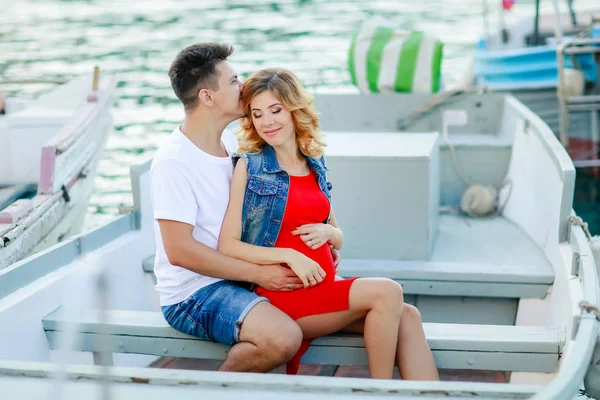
{"x": 30, "y": 269}
{"x": 559, "y": 156}
{"x": 571, "y": 373}
{"x": 304, "y": 385}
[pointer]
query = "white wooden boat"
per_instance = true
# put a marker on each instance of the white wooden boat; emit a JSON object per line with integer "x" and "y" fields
{"x": 50, "y": 149}
{"x": 502, "y": 292}
{"x": 527, "y": 59}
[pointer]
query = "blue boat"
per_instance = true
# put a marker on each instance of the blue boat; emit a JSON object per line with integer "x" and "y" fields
{"x": 527, "y": 68}
{"x": 523, "y": 59}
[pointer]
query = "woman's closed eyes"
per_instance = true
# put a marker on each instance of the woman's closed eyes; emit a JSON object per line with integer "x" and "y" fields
{"x": 275, "y": 111}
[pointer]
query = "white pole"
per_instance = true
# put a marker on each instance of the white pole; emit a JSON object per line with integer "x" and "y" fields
{"x": 486, "y": 20}
{"x": 557, "y": 22}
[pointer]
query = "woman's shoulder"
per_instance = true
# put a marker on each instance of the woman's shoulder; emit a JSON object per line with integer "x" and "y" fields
{"x": 318, "y": 161}
{"x": 247, "y": 155}
{"x": 250, "y": 158}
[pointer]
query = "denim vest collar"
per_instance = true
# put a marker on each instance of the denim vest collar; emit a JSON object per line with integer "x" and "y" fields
{"x": 270, "y": 165}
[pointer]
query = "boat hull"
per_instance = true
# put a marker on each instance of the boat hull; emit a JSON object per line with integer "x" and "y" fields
{"x": 66, "y": 165}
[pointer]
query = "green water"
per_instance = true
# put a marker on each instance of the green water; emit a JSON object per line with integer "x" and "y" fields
{"x": 138, "y": 39}
{"x": 587, "y": 198}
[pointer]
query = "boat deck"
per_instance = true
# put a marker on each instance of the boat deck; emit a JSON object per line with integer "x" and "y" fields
{"x": 488, "y": 257}
{"x": 342, "y": 371}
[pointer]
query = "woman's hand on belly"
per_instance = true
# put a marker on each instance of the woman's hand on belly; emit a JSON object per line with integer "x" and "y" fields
{"x": 307, "y": 269}
{"x": 315, "y": 235}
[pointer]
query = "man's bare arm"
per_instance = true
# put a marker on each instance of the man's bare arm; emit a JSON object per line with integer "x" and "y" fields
{"x": 184, "y": 251}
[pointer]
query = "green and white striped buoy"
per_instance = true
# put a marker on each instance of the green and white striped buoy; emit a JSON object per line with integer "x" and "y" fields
{"x": 384, "y": 59}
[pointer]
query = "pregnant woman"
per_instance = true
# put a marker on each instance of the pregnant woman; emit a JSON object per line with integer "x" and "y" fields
{"x": 280, "y": 213}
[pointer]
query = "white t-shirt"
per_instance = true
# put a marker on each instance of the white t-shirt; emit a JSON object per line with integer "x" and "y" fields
{"x": 190, "y": 186}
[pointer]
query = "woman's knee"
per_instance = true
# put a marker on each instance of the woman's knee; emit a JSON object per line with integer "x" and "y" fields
{"x": 390, "y": 292}
{"x": 381, "y": 293}
{"x": 411, "y": 314}
{"x": 411, "y": 323}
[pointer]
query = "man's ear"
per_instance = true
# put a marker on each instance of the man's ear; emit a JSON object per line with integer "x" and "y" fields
{"x": 205, "y": 97}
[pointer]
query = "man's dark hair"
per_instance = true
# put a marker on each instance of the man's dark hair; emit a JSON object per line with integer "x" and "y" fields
{"x": 194, "y": 69}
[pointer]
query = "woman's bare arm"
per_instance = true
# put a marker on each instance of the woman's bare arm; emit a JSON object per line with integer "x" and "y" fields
{"x": 336, "y": 236}
{"x": 231, "y": 232}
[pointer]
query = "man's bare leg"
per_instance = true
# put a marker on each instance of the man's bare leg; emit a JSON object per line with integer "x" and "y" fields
{"x": 268, "y": 339}
{"x": 413, "y": 355}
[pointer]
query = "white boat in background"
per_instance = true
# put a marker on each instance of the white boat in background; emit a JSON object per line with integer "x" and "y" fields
{"x": 50, "y": 149}
{"x": 512, "y": 291}
{"x": 530, "y": 59}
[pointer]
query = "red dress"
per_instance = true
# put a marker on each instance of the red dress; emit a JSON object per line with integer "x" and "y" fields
{"x": 307, "y": 204}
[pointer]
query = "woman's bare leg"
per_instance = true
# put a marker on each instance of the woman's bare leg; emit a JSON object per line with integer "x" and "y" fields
{"x": 379, "y": 301}
{"x": 413, "y": 355}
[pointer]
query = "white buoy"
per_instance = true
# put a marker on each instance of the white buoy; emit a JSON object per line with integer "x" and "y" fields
{"x": 574, "y": 82}
{"x": 479, "y": 200}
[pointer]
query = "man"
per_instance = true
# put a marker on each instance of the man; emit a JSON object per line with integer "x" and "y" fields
{"x": 201, "y": 290}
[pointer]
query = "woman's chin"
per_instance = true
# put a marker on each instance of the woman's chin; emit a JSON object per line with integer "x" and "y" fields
{"x": 277, "y": 140}
{"x": 273, "y": 141}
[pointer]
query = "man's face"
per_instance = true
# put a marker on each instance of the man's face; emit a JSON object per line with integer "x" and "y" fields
{"x": 228, "y": 97}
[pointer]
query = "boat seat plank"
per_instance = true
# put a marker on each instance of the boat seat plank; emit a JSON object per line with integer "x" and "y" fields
{"x": 458, "y": 346}
{"x": 446, "y": 271}
{"x": 437, "y": 279}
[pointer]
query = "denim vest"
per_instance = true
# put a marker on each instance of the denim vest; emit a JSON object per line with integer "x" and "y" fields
{"x": 266, "y": 194}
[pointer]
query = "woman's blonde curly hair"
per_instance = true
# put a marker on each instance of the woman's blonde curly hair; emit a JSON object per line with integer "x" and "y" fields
{"x": 288, "y": 89}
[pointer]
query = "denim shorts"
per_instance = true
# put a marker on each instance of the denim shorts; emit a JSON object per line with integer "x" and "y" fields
{"x": 215, "y": 312}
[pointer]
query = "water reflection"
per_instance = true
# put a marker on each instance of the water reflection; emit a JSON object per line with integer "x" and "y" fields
{"x": 137, "y": 41}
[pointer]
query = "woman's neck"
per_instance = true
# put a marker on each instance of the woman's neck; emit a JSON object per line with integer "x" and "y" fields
{"x": 291, "y": 159}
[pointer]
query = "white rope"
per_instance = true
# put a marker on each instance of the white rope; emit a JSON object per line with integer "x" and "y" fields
{"x": 459, "y": 172}
{"x": 575, "y": 220}
{"x": 589, "y": 308}
{"x": 477, "y": 200}
{"x": 508, "y": 183}
{"x": 435, "y": 100}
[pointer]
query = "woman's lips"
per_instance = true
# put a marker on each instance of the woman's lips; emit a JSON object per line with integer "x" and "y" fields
{"x": 272, "y": 132}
